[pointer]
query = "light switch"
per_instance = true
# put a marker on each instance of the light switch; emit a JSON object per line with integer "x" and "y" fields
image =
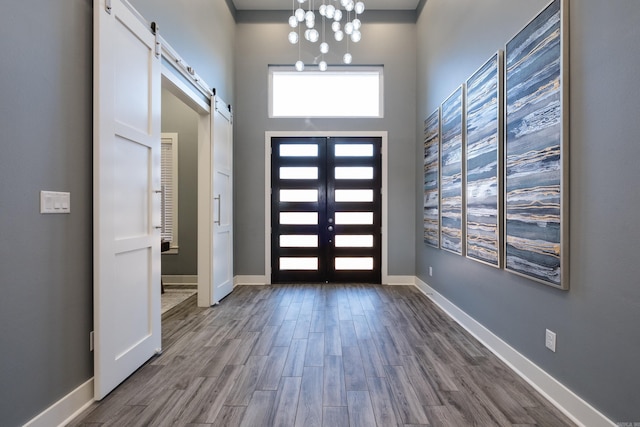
{"x": 55, "y": 202}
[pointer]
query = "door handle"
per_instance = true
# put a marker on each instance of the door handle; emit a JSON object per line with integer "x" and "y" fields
{"x": 219, "y": 199}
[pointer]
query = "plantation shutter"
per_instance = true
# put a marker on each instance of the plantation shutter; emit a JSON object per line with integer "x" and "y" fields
{"x": 169, "y": 178}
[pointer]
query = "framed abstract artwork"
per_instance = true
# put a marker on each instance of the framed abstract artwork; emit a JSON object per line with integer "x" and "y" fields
{"x": 432, "y": 179}
{"x": 451, "y": 172}
{"x": 484, "y": 162}
{"x": 536, "y": 149}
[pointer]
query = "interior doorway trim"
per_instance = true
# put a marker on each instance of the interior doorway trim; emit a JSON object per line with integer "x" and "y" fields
{"x": 383, "y": 135}
{"x": 191, "y": 98}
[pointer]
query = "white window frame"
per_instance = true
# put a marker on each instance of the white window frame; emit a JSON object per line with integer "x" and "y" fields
{"x": 340, "y": 96}
{"x": 171, "y": 139}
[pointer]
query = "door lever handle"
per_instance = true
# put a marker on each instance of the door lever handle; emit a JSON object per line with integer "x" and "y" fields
{"x": 219, "y": 199}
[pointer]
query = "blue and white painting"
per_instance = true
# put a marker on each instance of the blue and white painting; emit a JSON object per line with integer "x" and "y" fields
{"x": 451, "y": 174}
{"x": 483, "y": 163}
{"x": 431, "y": 179}
{"x": 534, "y": 141}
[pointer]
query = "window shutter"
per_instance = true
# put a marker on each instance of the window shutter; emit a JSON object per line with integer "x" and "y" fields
{"x": 169, "y": 180}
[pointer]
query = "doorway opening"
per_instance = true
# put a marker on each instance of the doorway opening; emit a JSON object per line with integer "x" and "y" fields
{"x": 326, "y": 209}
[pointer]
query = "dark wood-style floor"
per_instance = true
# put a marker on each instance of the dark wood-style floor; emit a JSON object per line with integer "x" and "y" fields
{"x": 321, "y": 355}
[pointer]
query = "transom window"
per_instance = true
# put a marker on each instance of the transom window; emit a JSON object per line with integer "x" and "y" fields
{"x": 339, "y": 92}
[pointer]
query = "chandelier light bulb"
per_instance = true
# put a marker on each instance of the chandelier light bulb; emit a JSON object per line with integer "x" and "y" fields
{"x": 335, "y": 26}
{"x": 293, "y": 21}
{"x": 299, "y": 65}
{"x": 324, "y": 47}
{"x": 339, "y": 35}
{"x": 349, "y": 6}
{"x": 348, "y": 28}
{"x": 322, "y": 66}
{"x": 337, "y": 15}
{"x": 322, "y": 10}
{"x": 344, "y": 2}
{"x": 356, "y": 36}
{"x": 293, "y": 37}
{"x": 331, "y": 11}
{"x": 356, "y": 24}
{"x": 307, "y": 35}
{"x": 300, "y": 14}
{"x": 347, "y": 58}
{"x": 313, "y": 35}
{"x": 359, "y": 7}
{"x": 310, "y": 16}
{"x": 301, "y": 1}
{"x": 310, "y": 23}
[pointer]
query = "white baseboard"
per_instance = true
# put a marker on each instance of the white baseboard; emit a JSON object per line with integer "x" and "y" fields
{"x": 399, "y": 280}
{"x": 572, "y": 405}
{"x": 180, "y": 279}
{"x": 250, "y": 280}
{"x": 65, "y": 409}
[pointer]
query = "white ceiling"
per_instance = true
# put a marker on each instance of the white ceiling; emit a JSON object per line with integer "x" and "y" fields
{"x": 287, "y": 4}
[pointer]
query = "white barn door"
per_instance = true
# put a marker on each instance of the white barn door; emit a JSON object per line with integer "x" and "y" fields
{"x": 222, "y": 128}
{"x": 126, "y": 194}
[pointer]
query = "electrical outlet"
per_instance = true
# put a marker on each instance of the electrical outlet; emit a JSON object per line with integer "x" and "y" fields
{"x": 91, "y": 341}
{"x": 430, "y": 271}
{"x": 550, "y": 340}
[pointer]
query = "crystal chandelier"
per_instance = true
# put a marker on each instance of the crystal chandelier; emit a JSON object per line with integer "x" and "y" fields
{"x": 303, "y": 26}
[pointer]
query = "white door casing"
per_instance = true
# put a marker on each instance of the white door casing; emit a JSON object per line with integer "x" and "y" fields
{"x": 222, "y": 251}
{"x": 126, "y": 194}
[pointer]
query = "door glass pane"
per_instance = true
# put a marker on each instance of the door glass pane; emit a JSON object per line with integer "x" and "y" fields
{"x": 298, "y": 241}
{"x": 298, "y": 150}
{"x": 346, "y": 218}
{"x": 310, "y": 195}
{"x": 299, "y": 173}
{"x": 354, "y": 150}
{"x": 354, "y": 241}
{"x": 299, "y": 218}
{"x": 299, "y": 263}
{"x": 344, "y": 263}
{"x": 354, "y": 196}
{"x": 354, "y": 172}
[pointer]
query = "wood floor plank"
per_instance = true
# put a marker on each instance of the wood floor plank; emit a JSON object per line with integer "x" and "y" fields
{"x": 267, "y": 336}
{"x": 407, "y": 401}
{"x": 315, "y": 350}
{"x": 334, "y": 392}
{"x": 354, "y": 376}
{"x": 294, "y": 364}
{"x": 361, "y": 328}
{"x": 229, "y": 416}
{"x": 360, "y": 409}
{"x": 335, "y": 416}
{"x": 204, "y": 408}
{"x": 285, "y": 334}
{"x": 317, "y": 321}
{"x": 260, "y": 409}
{"x": 287, "y": 402}
{"x": 246, "y": 383}
{"x": 272, "y": 372}
{"x": 371, "y": 360}
{"x": 384, "y": 408}
{"x": 332, "y": 341}
{"x": 348, "y": 335}
{"x": 309, "y": 411}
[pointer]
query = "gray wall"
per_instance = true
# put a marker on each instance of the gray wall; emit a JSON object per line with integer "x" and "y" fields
{"x": 177, "y": 117}
{"x": 261, "y": 41}
{"x": 45, "y": 260}
{"x": 597, "y": 320}
{"x": 46, "y": 274}
{"x": 201, "y": 31}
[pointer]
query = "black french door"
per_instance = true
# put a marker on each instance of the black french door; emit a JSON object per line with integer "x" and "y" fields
{"x": 326, "y": 210}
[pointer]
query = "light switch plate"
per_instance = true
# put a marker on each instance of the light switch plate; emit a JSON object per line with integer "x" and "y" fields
{"x": 55, "y": 202}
